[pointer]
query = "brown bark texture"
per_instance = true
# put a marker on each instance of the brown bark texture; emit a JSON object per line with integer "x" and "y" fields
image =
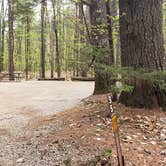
{"x": 102, "y": 40}
{"x": 43, "y": 47}
{"x": 142, "y": 47}
{"x": 10, "y": 40}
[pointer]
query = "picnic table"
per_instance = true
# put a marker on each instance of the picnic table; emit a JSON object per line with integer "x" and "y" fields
{"x": 18, "y": 75}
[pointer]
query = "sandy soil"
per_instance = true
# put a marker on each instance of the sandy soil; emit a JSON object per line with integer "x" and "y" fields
{"x": 39, "y": 133}
{"x": 22, "y": 102}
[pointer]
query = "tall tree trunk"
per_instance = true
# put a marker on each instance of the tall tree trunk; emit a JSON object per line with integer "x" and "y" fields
{"x": 118, "y": 52}
{"x": 56, "y": 40}
{"x": 27, "y": 46}
{"x": 57, "y": 54}
{"x": 100, "y": 40}
{"x": 52, "y": 51}
{"x": 76, "y": 39}
{"x": 114, "y": 13}
{"x": 114, "y": 10}
{"x": 164, "y": 20}
{"x": 83, "y": 66}
{"x": 19, "y": 51}
{"x": 43, "y": 47}
{"x": 142, "y": 47}
{"x": 11, "y": 39}
{"x": 2, "y": 36}
{"x": 110, "y": 31}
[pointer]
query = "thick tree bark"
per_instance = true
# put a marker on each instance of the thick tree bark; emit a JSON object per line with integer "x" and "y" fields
{"x": 43, "y": 47}
{"x": 11, "y": 40}
{"x": 141, "y": 34}
{"x": 142, "y": 47}
{"x": 100, "y": 23}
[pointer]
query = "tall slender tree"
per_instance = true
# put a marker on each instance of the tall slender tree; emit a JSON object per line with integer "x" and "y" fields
{"x": 76, "y": 41}
{"x": 114, "y": 14}
{"x": 83, "y": 66}
{"x": 11, "y": 40}
{"x": 43, "y": 46}
{"x": 110, "y": 30}
{"x": 2, "y": 35}
{"x": 27, "y": 45}
{"x": 52, "y": 50}
{"x": 56, "y": 39}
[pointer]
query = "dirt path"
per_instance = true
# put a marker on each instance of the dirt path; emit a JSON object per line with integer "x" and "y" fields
{"x": 23, "y": 109}
{"x": 20, "y": 103}
{"x": 34, "y": 131}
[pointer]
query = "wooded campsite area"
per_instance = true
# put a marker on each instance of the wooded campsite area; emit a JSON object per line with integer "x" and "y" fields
{"x": 56, "y": 53}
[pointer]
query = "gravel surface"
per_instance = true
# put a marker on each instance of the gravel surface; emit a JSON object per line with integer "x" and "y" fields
{"x": 22, "y": 104}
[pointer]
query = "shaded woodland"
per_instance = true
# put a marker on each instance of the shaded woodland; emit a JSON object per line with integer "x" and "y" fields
{"x": 83, "y": 82}
{"x": 119, "y": 43}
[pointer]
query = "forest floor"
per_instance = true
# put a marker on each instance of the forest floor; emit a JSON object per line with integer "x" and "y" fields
{"x": 83, "y": 136}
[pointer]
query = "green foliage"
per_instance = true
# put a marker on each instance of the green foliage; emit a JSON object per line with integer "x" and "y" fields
{"x": 72, "y": 42}
{"x": 106, "y": 153}
{"x": 122, "y": 88}
{"x": 158, "y": 79}
{"x": 123, "y": 75}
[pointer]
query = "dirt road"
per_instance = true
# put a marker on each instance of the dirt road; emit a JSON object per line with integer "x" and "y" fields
{"x": 34, "y": 131}
{"x": 24, "y": 101}
{"x": 23, "y": 108}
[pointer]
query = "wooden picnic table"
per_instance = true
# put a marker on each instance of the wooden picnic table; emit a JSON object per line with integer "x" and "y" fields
{"x": 18, "y": 75}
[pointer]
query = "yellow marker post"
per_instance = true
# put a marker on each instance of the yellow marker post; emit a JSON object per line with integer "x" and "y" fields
{"x": 116, "y": 133}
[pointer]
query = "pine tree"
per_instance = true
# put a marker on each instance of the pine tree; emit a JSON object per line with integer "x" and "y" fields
{"x": 102, "y": 40}
{"x": 142, "y": 47}
{"x": 11, "y": 39}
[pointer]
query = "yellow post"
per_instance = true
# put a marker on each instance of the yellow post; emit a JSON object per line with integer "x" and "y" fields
{"x": 116, "y": 133}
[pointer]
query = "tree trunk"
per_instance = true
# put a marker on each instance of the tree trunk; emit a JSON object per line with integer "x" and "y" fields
{"x": 110, "y": 30}
{"x": 43, "y": 47}
{"x": 57, "y": 54}
{"x": 1, "y": 13}
{"x": 19, "y": 51}
{"x": 52, "y": 51}
{"x": 114, "y": 13}
{"x": 164, "y": 20}
{"x": 142, "y": 47}
{"x": 56, "y": 40}
{"x": 2, "y": 36}
{"x": 11, "y": 40}
{"x": 76, "y": 40}
{"x": 83, "y": 65}
{"x": 100, "y": 23}
{"x": 27, "y": 45}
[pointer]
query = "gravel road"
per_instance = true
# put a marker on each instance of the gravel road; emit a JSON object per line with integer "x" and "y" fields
{"x": 24, "y": 101}
{"x": 22, "y": 106}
